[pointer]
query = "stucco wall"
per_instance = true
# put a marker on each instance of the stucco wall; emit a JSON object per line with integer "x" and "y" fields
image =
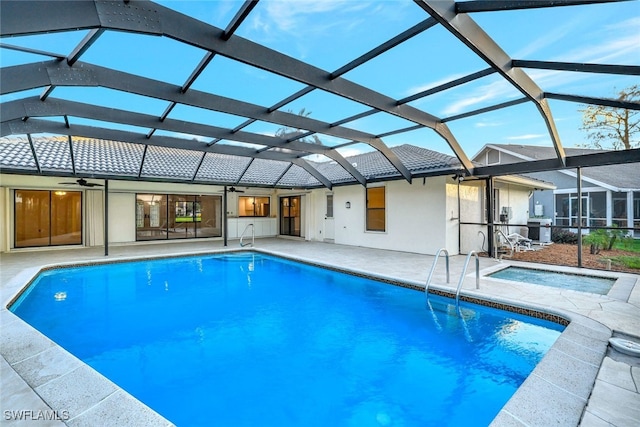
{"x": 417, "y": 216}
{"x": 472, "y": 237}
{"x": 4, "y": 219}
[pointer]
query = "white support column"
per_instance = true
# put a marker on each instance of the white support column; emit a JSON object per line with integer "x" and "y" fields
{"x": 630, "y": 211}
{"x": 609, "y": 208}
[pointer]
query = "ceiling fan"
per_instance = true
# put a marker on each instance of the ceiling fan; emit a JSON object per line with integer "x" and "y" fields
{"x": 231, "y": 189}
{"x": 82, "y": 183}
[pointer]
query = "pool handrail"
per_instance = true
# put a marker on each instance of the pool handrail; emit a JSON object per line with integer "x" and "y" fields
{"x": 433, "y": 268}
{"x": 253, "y": 236}
{"x": 464, "y": 271}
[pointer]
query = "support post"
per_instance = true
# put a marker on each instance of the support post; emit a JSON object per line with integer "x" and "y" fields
{"x": 225, "y": 227}
{"x": 106, "y": 217}
{"x": 489, "y": 207}
{"x": 459, "y": 220}
{"x": 579, "y": 179}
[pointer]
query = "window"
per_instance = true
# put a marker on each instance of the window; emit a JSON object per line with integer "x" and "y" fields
{"x": 47, "y": 218}
{"x": 636, "y": 213}
{"x": 619, "y": 209}
{"x": 562, "y": 209}
{"x": 376, "y": 209}
{"x": 253, "y": 206}
{"x": 329, "y": 213}
{"x": 493, "y": 156}
{"x": 176, "y": 216}
{"x": 597, "y": 213}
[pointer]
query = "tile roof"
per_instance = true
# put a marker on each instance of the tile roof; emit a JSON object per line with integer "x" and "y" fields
{"x": 120, "y": 159}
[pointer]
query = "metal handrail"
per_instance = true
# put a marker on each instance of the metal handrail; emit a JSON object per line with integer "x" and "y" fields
{"x": 504, "y": 236}
{"x": 464, "y": 271}
{"x": 253, "y": 236}
{"x": 433, "y": 268}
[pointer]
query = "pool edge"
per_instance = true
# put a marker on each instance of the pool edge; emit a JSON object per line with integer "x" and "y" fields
{"x": 520, "y": 407}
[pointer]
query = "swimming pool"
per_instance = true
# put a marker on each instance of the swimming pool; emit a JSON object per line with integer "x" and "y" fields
{"x": 576, "y": 282}
{"x": 250, "y": 339}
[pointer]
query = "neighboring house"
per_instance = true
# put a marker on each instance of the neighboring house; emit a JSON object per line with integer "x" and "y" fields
{"x": 610, "y": 194}
{"x": 421, "y": 216}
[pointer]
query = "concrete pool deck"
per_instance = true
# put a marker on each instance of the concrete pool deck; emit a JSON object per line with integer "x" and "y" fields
{"x": 581, "y": 381}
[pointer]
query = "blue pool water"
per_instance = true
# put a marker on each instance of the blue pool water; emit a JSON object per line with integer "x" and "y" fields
{"x": 252, "y": 340}
{"x": 592, "y": 284}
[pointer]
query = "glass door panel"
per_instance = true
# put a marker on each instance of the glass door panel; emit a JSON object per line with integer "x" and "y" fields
{"x": 32, "y": 218}
{"x": 290, "y": 216}
{"x": 209, "y": 216}
{"x": 181, "y": 216}
{"x": 66, "y": 218}
{"x": 47, "y": 218}
{"x": 151, "y": 216}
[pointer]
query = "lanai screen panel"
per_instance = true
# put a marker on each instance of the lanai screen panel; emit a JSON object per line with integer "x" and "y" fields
{"x": 288, "y": 81}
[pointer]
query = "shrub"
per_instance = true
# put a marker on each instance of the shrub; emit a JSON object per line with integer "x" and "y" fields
{"x": 560, "y": 235}
{"x": 598, "y": 240}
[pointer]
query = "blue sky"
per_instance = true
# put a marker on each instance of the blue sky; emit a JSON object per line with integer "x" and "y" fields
{"x": 329, "y": 34}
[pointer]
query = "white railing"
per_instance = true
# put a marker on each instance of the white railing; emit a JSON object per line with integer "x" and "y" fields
{"x": 464, "y": 271}
{"x": 433, "y": 267}
{"x": 253, "y": 236}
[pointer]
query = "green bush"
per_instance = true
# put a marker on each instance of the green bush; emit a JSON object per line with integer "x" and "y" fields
{"x": 598, "y": 240}
{"x": 559, "y": 235}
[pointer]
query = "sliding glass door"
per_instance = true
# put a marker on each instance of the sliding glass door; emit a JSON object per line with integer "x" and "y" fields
{"x": 177, "y": 216}
{"x": 47, "y": 218}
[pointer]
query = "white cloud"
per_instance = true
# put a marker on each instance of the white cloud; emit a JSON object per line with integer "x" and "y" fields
{"x": 430, "y": 85}
{"x": 294, "y": 17}
{"x": 548, "y": 39}
{"x": 488, "y": 124}
{"x": 528, "y": 136}
{"x": 497, "y": 91}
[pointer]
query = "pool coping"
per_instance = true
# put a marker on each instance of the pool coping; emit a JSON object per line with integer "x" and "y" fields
{"x": 620, "y": 290}
{"x": 565, "y": 376}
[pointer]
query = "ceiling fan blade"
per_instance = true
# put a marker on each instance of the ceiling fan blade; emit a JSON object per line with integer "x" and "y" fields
{"x": 91, "y": 184}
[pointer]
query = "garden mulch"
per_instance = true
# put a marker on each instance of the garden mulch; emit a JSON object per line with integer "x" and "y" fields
{"x": 567, "y": 254}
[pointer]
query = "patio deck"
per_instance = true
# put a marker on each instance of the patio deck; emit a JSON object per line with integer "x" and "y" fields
{"x": 580, "y": 369}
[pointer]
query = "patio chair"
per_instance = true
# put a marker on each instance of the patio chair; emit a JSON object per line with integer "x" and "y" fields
{"x": 519, "y": 243}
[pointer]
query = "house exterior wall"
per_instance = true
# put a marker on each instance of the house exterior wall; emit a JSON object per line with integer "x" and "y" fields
{"x": 417, "y": 216}
{"x": 566, "y": 183}
{"x": 122, "y": 207}
{"x": 472, "y": 212}
{"x": 421, "y": 216}
{"x": 473, "y": 237}
{"x": 4, "y": 219}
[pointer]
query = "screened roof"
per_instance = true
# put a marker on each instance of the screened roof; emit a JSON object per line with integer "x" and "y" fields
{"x": 306, "y": 94}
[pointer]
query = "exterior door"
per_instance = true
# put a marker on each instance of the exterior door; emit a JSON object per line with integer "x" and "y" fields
{"x": 47, "y": 218}
{"x": 329, "y": 228}
{"x": 290, "y": 216}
